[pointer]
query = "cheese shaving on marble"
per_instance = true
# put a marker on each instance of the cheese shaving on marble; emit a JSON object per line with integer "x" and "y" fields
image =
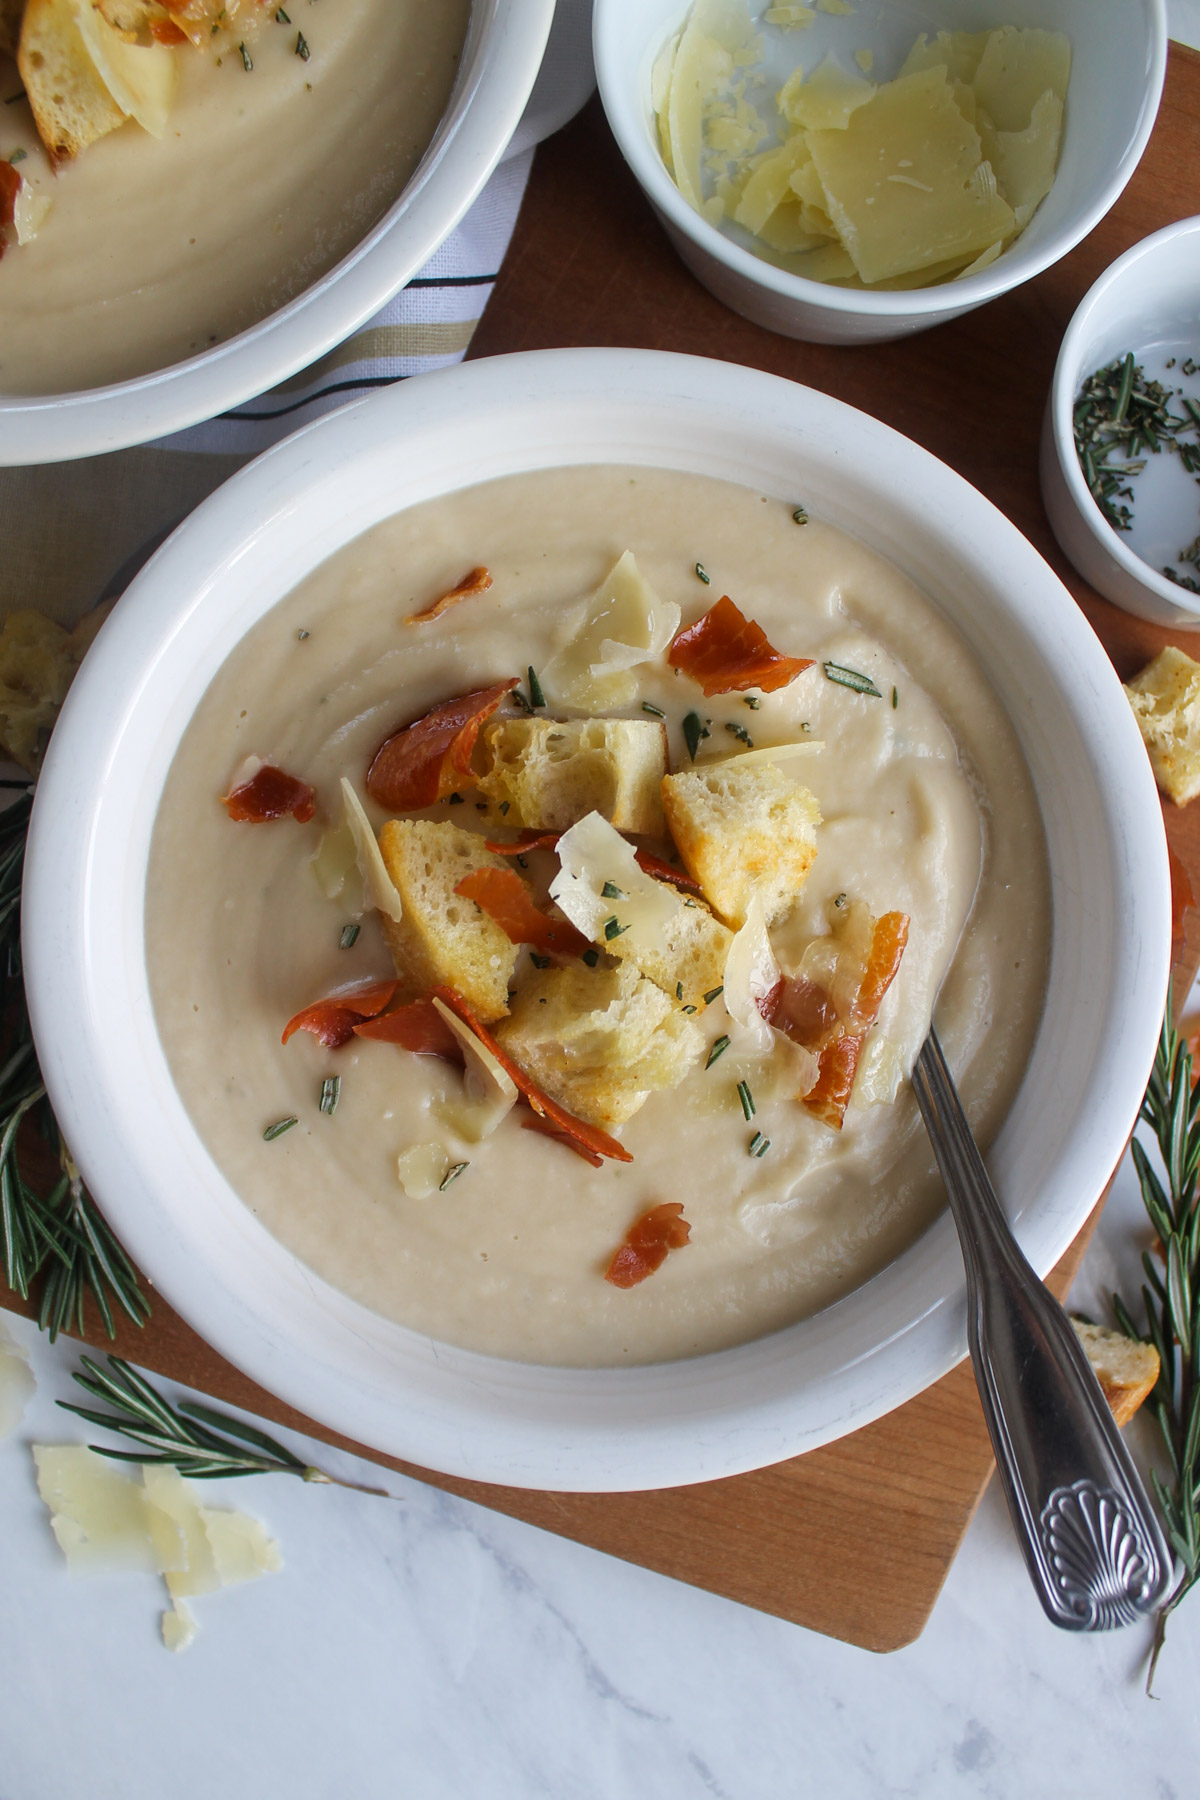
{"x": 16, "y": 1384}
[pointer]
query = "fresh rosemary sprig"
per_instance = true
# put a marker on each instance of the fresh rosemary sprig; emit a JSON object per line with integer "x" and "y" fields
{"x": 1171, "y": 1297}
{"x": 62, "y": 1238}
{"x": 200, "y": 1443}
{"x": 1119, "y": 418}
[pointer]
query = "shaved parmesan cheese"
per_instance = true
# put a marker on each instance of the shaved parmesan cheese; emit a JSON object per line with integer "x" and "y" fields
{"x": 751, "y": 971}
{"x": 422, "y": 1170}
{"x": 378, "y": 885}
{"x": 827, "y": 100}
{"x": 592, "y": 856}
{"x": 179, "y": 1627}
{"x": 168, "y": 1494}
{"x": 491, "y": 1092}
{"x": 241, "y": 1549}
{"x": 623, "y": 625}
{"x": 141, "y": 79}
{"x": 1025, "y": 161}
{"x": 16, "y": 1384}
{"x": 30, "y": 211}
{"x": 790, "y": 18}
{"x": 334, "y": 861}
{"x": 1016, "y": 69}
{"x": 771, "y": 183}
{"x": 98, "y": 1517}
{"x": 880, "y": 1072}
{"x": 958, "y": 52}
{"x": 774, "y": 753}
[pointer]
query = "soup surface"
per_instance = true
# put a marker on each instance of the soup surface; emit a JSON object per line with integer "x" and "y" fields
{"x": 155, "y": 249}
{"x": 927, "y": 808}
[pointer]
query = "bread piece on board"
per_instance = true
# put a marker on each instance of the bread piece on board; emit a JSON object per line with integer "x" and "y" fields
{"x": 1125, "y": 1368}
{"x": 692, "y": 963}
{"x": 553, "y": 772}
{"x": 1165, "y": 699}
{"x": 741, "y": 831}
{"x": 600, "y": 1041}
{"x": 442, "y": 938}
{"x": 70, "y": 103}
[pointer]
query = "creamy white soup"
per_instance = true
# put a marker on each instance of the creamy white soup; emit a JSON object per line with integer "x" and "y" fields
{"x": 156, "y": 249}
{"x": 927, "y": 809}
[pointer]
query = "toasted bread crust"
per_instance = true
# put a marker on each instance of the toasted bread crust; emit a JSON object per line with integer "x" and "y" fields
{"x": 442, "y": 939}
{"x": 743, "y": 831}
{"x": 1126, "y": 1368}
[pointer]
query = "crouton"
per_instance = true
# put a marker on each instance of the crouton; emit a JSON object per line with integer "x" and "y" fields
{"x": 1165, "y": 699}
{"x": 443, "y": 939}
{"x": 692, "y": 962}
{"x": 743, "y": 831}
{"x": 553, "y": 772}
{"x": 600, "y": 1041}
{"x": 1125, "y": 1368}
{"x": 71, "y": 105}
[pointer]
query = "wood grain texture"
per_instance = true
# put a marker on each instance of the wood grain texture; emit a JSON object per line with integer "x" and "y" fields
{"x": 853, "y": 1540}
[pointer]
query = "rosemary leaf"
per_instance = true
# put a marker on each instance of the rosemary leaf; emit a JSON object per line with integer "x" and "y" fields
{"x": 851, "y": 678}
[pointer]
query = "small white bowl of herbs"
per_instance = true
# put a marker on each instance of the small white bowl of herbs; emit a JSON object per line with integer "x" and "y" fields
{"x": 1120, "y": 457}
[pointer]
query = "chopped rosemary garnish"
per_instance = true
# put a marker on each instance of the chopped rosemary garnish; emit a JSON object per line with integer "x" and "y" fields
{"x": 1118, "y": 416}
{"x": 714, "y": 994}
{"x": 799, "y": 515}
{"x": 694, "y": 730}
{"x": 11, "y": 99}
{"x": 281, "y": 17}
{"x": 302, "y": 49}
{"x": 522, "y": 862}
{"x": 689, "y": 1009}
{"x": 839, "y": 900}
{"x": 752, "y": 701}
{"x": 739, "y": 732}
{"x": 610, "y": 891}
{"x": 759, "y": 1145}
{"x": 504, "y": 806}
{"x": 654, "y": 711}
{"x": 331, "y": 1093}
{"x": 455, "y": 800}
{"x": 18, "y": 156}
{"x": 720, "y": 1046}
{"x": 348, "y": 936}
{"x": 278, "y": 1128}
{"x": 679, "y": 990}
{"x": 851, "y": 678}
{"x": 452, "y": 1174}
{"x": 539, "y": 962}
{"x": 213, "y": 1445}
{"x": 612, "y": 929}
{"x": 895, "y": 699}
{"x": 703, "y": 573}
{"x": 747, "y": 1099}
{"x": 591, "y": 958}
{"x": 536, "y": 696}
{"x": 245, "y": 56}
{"x": 519, "y": 701}
{"x": 302, "y": 634}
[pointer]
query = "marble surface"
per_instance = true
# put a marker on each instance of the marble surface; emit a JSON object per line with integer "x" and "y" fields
{"x": 423, "y": 1647}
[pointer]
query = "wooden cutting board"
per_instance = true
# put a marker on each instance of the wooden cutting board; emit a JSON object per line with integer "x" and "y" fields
{"x": 856, "y": 1539}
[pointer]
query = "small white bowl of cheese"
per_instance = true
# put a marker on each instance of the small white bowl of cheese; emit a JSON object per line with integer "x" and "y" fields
{"x": 899, "y": 174}
{"x": 288, "y": 182}
{"x": 979, "y": 763}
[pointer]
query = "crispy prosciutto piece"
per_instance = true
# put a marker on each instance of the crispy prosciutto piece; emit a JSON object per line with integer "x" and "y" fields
{"x": 590, "y": 1136}
{"x": 417, "y": 1026}
{"x": 10, "y": 183}
{"x": 477, "y": 582}
{"x": 724, "y": 651}
{"x": 332, "y": 1021}
{"x": 431, "y": 757}
{"x": 270, "y": 794}
{"x": 166, "y": 31}
{"x": 646, "y": 1244}
{"x": 505, "y": 898}
{"x": 546, "y": 1128}
{"x": 528, "y": 840}
{"x": 806, "y": 1012}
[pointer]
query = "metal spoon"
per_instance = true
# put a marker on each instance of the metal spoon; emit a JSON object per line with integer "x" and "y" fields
{"x": 1084, "y": 1521}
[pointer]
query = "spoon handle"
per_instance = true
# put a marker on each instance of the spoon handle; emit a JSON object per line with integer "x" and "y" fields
{"x": 1093, "y": 1546}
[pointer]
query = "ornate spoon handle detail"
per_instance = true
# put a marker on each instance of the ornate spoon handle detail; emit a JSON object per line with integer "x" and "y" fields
{"x": 1093, "y": 1546}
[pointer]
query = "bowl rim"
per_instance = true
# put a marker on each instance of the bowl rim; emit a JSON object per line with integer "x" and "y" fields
{"x": 470, "y": 1415}
{"x": 505, "y": 43}
{"x": 1068, "y": 369}
{"x": 622, "y": 109}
